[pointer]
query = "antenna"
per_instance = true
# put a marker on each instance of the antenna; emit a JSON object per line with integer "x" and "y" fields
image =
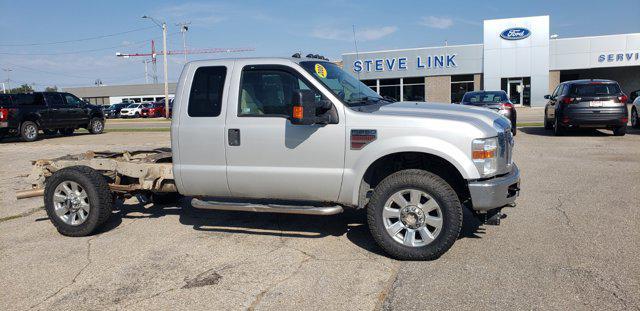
{"x": 355, "y": 43}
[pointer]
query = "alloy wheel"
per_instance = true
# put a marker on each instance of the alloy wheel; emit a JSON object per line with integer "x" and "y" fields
{"x": 412, "y": 217}
{"x": 71, "y": 203}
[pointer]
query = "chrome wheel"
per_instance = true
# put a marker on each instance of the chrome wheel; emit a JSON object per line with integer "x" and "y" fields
{"x": 30, "y": 131}
{"x": 71, "y": 203}
{"x": 412, "y": 217}
{"x": 97, "y": 126}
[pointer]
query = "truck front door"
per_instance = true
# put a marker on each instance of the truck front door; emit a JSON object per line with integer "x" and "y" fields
{"x": 267, "y": 156}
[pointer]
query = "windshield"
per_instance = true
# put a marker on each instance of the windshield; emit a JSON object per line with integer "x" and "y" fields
{"x": 345, "y": 86}
{"x": 482, "y": 98}
{"x": 133, "y": 106}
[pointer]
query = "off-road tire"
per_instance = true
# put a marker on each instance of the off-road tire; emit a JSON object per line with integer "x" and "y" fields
{"x": 96, "y": 126}
{"x": 620, "y": 131}
{"x": 435, "y": 186}
{"x": 635, "y": 118}
{"x": 26, "y": 131}
{"x": 67, "y": 131}
{"x": 558, "y": 130}
{"x": 98, "y": 193}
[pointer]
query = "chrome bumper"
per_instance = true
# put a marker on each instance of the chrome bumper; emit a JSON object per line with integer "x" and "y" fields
{"x": 496, "y": 192}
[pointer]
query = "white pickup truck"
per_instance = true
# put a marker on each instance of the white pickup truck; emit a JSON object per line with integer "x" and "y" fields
{"x": 299, "y": 135}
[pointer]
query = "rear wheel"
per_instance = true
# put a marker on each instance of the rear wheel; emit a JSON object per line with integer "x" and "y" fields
{"x": 67, "y": 131}
{"x": 96, "y": 126}
{"x": 414, "y": 215}
{"x": 558, "y": 130}
{"x": 77, "y": 200}
{"x": 635, "y": 121}
{"x": 620, "y": 131}
{"x": 29, "y": 131}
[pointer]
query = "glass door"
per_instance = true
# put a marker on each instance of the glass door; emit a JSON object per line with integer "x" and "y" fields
{"x": 515, "y": 90}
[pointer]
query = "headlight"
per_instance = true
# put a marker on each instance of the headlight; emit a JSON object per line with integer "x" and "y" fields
{"x": 485, "y": 155}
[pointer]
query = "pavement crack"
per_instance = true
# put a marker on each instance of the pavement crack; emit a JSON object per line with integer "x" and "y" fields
{"x": 24, "y": 214}
{"x": 559, "y": 209}
{"x": 383, "y": 302}
{"x": 75, "y": 277}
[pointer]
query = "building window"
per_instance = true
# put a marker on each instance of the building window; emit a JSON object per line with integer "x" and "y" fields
{"x": 518, "y": 89}
{"x": 413, "y": 89}
{"x": 372, "y": 84}
{"x": 390, "y": 88}
{"x": 460, "y": 84}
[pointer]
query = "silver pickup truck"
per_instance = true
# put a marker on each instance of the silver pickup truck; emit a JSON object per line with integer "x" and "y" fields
{"x": 299, "y": 135}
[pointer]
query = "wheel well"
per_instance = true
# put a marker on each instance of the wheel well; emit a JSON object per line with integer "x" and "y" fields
{"x": 31, "y": 117}
{"x": 395, "y": 162}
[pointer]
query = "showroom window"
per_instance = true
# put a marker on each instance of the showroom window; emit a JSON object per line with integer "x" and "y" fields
{"x": 413, "y": 89}
{"x": 373, "y": 84}
{"x": 460, "y": 84}
{"x": 390, "y": 88}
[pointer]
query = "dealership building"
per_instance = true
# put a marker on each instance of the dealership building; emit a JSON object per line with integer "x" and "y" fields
{"x": 518, "y": 55}
{"x": 113, "y": 94}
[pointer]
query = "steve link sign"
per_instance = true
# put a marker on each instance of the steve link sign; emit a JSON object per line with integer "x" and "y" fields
{"x": 402, "y": 63}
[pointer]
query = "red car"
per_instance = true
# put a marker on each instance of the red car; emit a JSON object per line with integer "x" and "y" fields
{"x": 153, "y": 110}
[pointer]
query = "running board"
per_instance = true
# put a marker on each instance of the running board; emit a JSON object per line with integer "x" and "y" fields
{"x": 271, "y": 208}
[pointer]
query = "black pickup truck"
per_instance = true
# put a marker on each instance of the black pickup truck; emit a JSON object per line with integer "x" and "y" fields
{"x": 51, "y": 112}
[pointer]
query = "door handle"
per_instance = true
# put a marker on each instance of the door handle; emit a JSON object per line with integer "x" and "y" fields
{"x": 234, "y": 137}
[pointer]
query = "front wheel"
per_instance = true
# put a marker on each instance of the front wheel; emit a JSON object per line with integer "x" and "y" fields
{"x": 414, "y": 215}
{"x": 547, "y": 124}
{"x": 96, "y": 126}
{"x": 77, "y": 200}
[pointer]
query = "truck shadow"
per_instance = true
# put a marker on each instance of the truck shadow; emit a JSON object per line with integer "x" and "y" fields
{"x": 352, "y": 223}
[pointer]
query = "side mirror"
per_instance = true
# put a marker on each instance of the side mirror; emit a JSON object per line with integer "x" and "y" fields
{"x": 547, "y": 97}
{"x": 308, "y": 110}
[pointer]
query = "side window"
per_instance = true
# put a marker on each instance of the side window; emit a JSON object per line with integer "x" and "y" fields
{"x": 53, "y": 99}
{"x": 555, "y": 92}
{"x": 269, "y": 92}
{"x": 72, "y": 100}
{"x": 565, "y": 90}
{"x": 205, "y": 99}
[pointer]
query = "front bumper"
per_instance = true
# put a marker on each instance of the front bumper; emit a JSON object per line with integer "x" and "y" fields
{"x": 495, "y": 192}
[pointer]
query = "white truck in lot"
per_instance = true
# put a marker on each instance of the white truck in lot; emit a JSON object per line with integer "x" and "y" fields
{"x": 299, "y": 135}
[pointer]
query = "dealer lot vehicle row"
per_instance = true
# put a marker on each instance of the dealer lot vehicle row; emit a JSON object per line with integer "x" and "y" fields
{"x": 173, "y": 256}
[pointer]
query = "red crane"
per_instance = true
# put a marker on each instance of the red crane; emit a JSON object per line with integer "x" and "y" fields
{"x": 154, "y": 54}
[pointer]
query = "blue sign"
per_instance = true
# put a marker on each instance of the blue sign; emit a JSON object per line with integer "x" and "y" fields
{"x": 619, "y": 57}
{"x": 400, "y": 63}
{"x": 515, "y": 34}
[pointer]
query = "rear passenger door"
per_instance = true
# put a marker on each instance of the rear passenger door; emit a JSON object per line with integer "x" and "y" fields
{"x": 55, "y": 112}
{"x": 198, "y": 131}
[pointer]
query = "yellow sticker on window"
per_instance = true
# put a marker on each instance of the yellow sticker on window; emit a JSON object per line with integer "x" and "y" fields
{"x": 321, "y": 71}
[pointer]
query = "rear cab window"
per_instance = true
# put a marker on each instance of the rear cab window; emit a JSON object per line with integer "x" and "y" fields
{"x": 205, "y": 98}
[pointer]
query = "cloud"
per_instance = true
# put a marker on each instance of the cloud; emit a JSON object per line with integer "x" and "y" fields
{"x": 346, "y": 34}
{"x": 436, "y": 22}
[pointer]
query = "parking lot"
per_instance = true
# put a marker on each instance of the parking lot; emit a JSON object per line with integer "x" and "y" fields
{"x": 573, "y": 242}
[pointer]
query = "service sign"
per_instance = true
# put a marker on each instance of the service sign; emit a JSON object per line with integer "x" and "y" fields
{"x": 515, "y": 33}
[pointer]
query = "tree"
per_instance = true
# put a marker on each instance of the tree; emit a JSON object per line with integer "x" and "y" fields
{"x": 51, "y": 88}
{"x": 25, "y": 88}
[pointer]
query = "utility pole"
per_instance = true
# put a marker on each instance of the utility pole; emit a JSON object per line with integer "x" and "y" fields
{"x": 184, "y": 27}
{"x": 163, "y": 25}
{"x": 8, "y": 70}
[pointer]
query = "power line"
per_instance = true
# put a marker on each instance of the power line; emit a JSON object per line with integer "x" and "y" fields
{"x": 84, "y": 51}
{"x": 77, "y": 40}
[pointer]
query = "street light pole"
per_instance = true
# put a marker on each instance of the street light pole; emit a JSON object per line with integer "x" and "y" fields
{"x": 163, "y": 25}
{"x": 8, "y": 70}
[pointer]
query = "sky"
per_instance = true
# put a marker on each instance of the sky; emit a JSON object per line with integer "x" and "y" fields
{"x": 74, "y": 43}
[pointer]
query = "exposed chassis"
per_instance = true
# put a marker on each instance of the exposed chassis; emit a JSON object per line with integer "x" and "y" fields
{"x": 127, "y": 172}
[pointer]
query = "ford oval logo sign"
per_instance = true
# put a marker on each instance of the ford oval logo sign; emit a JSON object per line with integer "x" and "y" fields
{"x": 515, "y": 33}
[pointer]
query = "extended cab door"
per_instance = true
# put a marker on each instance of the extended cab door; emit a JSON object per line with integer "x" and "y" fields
{"x": 55, "y": 112}
{"x": 198, "y": 129}
{"x": 267, "y": 156}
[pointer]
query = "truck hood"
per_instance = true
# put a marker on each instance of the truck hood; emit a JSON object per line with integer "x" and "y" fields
{"x": 451, "y": 112}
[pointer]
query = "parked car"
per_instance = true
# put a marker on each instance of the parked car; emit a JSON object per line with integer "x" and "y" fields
{"x": 26, "y": 114}
{"x": 586, "y": 104}
{"x": 153, "y": 110}
{"x": 635, "y": 113}
{"x": 113, "y": 110}
{"x": 633, "y": 95}
{"x": 161, "y": 102}
{"x": 132, "y": 111}
{"x": 497, "y": 101}
{"x": 302, "y": 136}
